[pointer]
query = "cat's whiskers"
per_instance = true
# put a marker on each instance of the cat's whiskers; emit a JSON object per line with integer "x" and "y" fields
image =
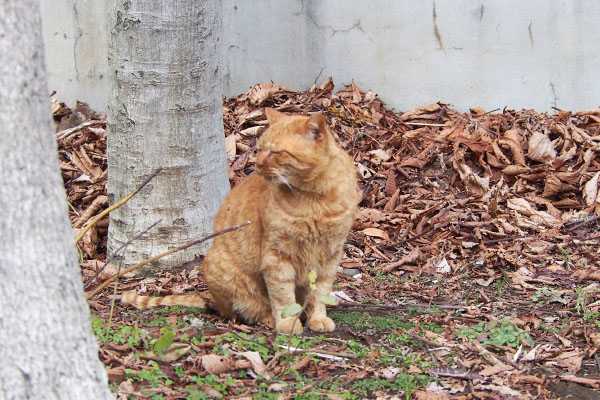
{"x": 284, "y": 180}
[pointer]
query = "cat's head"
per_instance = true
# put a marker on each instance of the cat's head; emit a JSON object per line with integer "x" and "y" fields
{"x": 294, "y": 149}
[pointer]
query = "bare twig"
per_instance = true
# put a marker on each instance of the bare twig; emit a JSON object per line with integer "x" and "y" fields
{"x": 291, "y": 349}
{"x": 387, "y": 246}
{"x": 116, "y": 205}
{"x": 424, "y": 124}
{"x": 506, "y": 239}
{"x": 127, "y": 243}
{"x": 161, "y": 255}
{"x": 68, "y": 132}
{"x": 575, "y": 224}
{"x": 366, "y": 306}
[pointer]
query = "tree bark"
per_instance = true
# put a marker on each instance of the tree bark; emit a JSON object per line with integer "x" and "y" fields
{"x": 46, "y": 345}
{"x": 165, "y": 110}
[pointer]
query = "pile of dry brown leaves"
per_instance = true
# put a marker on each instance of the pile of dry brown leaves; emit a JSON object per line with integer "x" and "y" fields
{"x": 481, "y": 215}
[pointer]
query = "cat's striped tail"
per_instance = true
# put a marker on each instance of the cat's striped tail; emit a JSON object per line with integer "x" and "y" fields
{"x": 186, "y": 300}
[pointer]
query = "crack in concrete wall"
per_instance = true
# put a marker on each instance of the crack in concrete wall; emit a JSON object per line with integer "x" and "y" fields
{"x": 495, "y": 54}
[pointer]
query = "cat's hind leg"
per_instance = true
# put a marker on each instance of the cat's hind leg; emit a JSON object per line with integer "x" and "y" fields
{"x": 238, "y": 293}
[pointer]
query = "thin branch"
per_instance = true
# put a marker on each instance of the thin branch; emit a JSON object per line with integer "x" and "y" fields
{"x": 291, "y": 349}
{"x": 506, "y": 239}
{"x": 127, "y": 243}
{"x": 366, "y": 306}
{"x": 388, "y": 246}
{"x": 424, "y": 124}
{"x": 166, "y": 253}
{"x": 575, "y": 224}
{"x": 68, "y": 132}
{"x": 116, "y": 205}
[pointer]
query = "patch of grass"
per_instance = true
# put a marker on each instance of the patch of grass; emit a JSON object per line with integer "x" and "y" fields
{"x": 209, "y": 380}
{"x": 501, "y": 283}
{"x": 160, "y": 321}
{"x": 363, "y": 321}
{"x": 592, "y": 318}
{"x": 119, "y": 334}
{"x": 244, "y": 342}
{"x": 548, "y": 296}
{"x": 402, "y": 338}
{"x": 296, "y": 341}
{"x": 503, "y": 333}
{"x": 406, "y": 383}
{"x": 432, "y": 327}
{"x": 154, "y": 376}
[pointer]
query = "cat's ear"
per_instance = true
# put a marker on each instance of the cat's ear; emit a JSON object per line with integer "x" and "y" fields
{"x": 317, "y": 126}
{"x": 273, "y": 115}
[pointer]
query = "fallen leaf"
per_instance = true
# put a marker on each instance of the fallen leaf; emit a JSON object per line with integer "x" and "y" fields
{"x": 214, "y": 364}
{"x": 258, "y": 365}
{"x": 230, "y": 147}
{"x": 259, "y": 93}
{"x": 540, "y": 148}
{"x": 590, "y": 190}
{"x": 376, "y": 232}
{"x": 571, "y": 360}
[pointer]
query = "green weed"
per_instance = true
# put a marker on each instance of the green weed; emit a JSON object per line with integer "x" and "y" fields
{"x": 592, "y": 318}
{"x": 120, "y": 334}
{"x": 504, "y": 334}
{"x": 154, "y": 377}
{"x": 363, "y": 321}
{"x": 501, "y": 283}
{"x": 406, "y": 383}
{"x": 548, "y": 296}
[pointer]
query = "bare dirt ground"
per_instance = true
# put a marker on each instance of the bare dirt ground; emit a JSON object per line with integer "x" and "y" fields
{"x": 471, "y": 271}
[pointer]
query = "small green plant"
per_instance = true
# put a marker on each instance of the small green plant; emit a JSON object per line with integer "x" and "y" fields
{"x": 363, "y": 321}
{"x": 432, "y": 327}
{"x": 162, "y": 344}
{"x": 160, "y": 321}
{"x": 548, "y": 296}
{"x": 503, "y": 333}
{"x": 566, "y": 256}
{"x": 592, "y": 318}
{"x": 243, "y": 342}
{"x": 154, "y": 376}
{"x": 406, "y": 383}
{"x": 119, "y": 334}
{"x": 501, "y": 282}
{"x": 583, "y": 298}
{"x": 210, "y": 380}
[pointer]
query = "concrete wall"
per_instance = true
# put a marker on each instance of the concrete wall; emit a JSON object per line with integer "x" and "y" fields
{"x": 494, "y": 53}
{"x": 76, "y": 37}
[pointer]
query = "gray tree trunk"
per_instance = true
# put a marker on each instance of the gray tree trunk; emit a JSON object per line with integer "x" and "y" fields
{"x": 165, "y": 110}
{"x": 47, "y": 350}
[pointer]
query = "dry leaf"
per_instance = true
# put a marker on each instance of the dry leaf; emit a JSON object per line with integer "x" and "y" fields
{"x": 590, "y": 190}
{"x": 538, "y": 217}
{"x": 259, "y": 93}
{"x": 553, "y": 185}
{"x": 258, "y": 365}
{"x": 442, "y": 267}
{"x": 230, "y": 147}
{"x": 214, "y": 364}
{"x": 570, "y": 360}
{"x": 540, "y": 148}
{"x": 474, "y": 182}
{"x": 376, "y": 232}
{"x": 379, "y": 156}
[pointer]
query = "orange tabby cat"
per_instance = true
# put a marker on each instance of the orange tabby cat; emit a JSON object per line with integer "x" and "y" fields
{"x": 300, "y": 201}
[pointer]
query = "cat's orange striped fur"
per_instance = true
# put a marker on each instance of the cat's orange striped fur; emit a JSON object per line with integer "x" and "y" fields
{"x": 300, "y": 201}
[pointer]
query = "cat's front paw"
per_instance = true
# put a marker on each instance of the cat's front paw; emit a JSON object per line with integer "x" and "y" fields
{"x": 269, "y": 321}
{"x": 290, "y": 326}
{"x": 321, "y": 324}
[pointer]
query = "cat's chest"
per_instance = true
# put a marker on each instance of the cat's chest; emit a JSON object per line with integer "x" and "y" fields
{"x": 310, "y": 223}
